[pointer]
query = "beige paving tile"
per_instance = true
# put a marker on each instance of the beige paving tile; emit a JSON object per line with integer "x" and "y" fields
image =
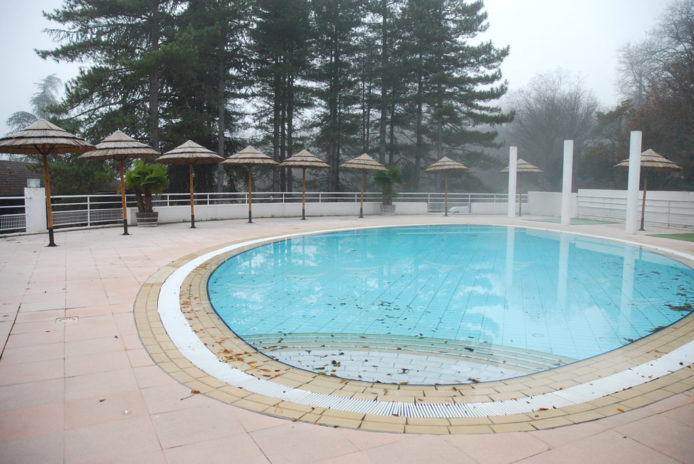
{"x": 112, "y": 441}
{"x": 295, "y": 442}
{"x": 32, "y": 421}
{"x": 15, "y": 373}
{"x": 235, "y": 448}
{"x": 606, "y": 447}
{"x": 99, "y": 410}
{"x": 110, "y": 309}
{"x": 663, "y": 434}
{"x": 487, "y": 449}
{"x": 192, "y": 425}
{"x": 99, "y": 384}
{"x": 419, "y": 449}
{"x": 46, "y": 450}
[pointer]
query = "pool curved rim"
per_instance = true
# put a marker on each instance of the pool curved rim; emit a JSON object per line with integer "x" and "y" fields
{"x": 165, "y": 352}
{"x": 319, "y": 233}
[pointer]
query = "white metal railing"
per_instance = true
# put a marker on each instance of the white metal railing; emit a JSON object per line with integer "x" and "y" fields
{"x": 87, "y": 210}
{"x": 666, "y": 212}
{"x": 12, "y": 214}
{"x": 435, "y": 201}
{"x": 213, "y": 198}
{"x": 101, "y": 209}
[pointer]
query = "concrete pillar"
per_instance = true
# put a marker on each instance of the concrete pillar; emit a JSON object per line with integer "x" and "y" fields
{"x": 35, "y": 209}
{"x": 632, "y": 213}
{"x": 512, "y": 168}
{"x": 566, "y": 182}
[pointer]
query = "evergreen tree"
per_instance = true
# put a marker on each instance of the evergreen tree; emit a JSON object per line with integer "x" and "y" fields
{"x": 124, "y": 40}
{"x": 453, "y": 82}
{"x": 336, "y": 23}
{"x": 281, "y": 41}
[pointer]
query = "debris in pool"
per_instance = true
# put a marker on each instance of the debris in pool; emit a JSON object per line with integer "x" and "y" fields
{"x": 467, "y": 348}
{"x": 683, "y": 308}
{"x": 473, "y": 380}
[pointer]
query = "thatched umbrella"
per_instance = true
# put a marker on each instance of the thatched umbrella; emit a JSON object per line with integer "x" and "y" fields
{"x": 190, "y": 153}
{"x": 523, "y": 166}
{"x": 445, "y": 165}
{"x": 650, "y": 160}
{"x": 119, "y": 146}
{"x": 304, "y": 159}
{"x": 250, "y": 157}
{"x": 44, "y": 138}
{"x": 363, "y": 162}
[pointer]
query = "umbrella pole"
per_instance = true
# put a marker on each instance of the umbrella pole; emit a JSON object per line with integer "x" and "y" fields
{"x": 643, "y": 201}
{"x": 303, "y": 194}
{"x": 49, "y": 210}
{"x": 361, "y": 204}
{"x": 122, "y": 197}
{"x": 445, "y": 200}
{"x": 250, "y": 193}
{"x": 192, "y": 196}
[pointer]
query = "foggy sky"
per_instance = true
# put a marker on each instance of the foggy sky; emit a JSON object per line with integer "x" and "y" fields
{"x": 580, "y": 36}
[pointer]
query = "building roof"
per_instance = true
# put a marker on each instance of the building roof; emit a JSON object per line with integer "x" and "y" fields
{"x": 14, "y": 175}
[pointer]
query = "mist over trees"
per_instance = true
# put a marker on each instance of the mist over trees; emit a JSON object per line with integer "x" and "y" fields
{"x": 407, "y": 80}
{"x": 656, "y": 81}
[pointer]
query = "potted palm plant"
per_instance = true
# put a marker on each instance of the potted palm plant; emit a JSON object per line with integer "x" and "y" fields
{"x": 145, "y": 180}
{"x": 386, "y": 179}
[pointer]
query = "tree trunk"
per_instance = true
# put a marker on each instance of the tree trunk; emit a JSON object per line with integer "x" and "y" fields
{"x": 276, "y": 131}
{"x": 290, "y": 127}
{"x": 283, "y": 130}
{"x": 221, "y": 106}
{"x": 384, "y": 88}
{"x": 418, "y": 129}
{"x": 154, "y": 80}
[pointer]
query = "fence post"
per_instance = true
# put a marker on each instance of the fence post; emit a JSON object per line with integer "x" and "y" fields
{"x": 89, "y": 211}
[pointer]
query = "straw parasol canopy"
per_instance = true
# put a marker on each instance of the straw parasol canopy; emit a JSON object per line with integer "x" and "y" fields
{"x": 522, "y": 167}
{"x": 250, "y": 157}
{"x": 304, "y": 159}
{"x": 190, "y": 153}
{"x": 120, "y": 146}
{"x": 363, "y": 162}
{"x": 44, "y": 138}
{"x": 650, "y": 159}
{"x": 446, "y": 165}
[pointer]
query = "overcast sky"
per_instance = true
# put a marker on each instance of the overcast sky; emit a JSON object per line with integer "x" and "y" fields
{"x": 580, "y": 36}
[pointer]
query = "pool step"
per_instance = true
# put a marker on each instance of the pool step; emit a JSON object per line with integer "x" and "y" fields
{"x": 528, "y": 361}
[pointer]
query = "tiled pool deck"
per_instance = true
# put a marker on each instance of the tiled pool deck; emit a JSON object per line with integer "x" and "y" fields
{"x": 78, "y": 384}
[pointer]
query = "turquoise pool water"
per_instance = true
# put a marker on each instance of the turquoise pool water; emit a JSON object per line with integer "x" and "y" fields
{"x": 525, "y": 289}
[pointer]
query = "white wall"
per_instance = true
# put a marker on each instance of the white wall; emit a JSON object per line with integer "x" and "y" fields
{"x": 548, "y": 204}
{"x": 35, "y": 209}
{"x": 168, "y": 214}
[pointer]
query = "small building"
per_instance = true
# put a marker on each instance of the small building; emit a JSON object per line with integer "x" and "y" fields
{"x": 14, "y": 175}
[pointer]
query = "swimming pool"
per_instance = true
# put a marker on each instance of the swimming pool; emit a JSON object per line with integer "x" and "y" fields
{"x": 445, "y": 304}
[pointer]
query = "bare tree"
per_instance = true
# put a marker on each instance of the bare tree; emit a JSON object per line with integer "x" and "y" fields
{"x": 639, "y": 65}
{"x": 553, "y": 108}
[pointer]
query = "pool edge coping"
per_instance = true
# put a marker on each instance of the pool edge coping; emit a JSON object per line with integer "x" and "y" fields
{"x": 165, "y": 353}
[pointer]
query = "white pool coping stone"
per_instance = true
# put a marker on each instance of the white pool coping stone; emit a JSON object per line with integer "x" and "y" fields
{"x": 197, "y": 353}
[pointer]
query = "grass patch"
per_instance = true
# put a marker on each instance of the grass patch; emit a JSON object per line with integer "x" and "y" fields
{"x": 687, "y": 237}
